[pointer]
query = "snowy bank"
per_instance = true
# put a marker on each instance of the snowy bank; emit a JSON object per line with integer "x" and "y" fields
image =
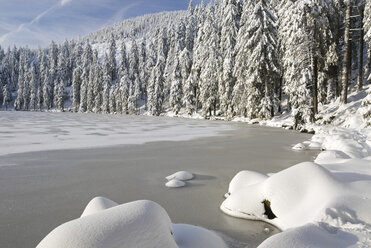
{"x": 143, "y": 224}
{"x": 322, "y": 204}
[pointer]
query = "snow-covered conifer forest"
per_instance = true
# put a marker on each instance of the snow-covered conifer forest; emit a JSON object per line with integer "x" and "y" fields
{"x": 229, "y": 58}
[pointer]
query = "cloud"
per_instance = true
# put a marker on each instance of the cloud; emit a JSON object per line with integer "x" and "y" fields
{"x": 64, "y": 2}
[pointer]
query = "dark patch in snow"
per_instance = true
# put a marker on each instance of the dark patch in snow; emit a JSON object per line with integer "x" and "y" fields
{"x": 268, "y": 211}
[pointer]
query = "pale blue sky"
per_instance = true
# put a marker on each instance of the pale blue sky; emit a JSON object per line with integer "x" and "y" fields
{"x": 37, "y": 22}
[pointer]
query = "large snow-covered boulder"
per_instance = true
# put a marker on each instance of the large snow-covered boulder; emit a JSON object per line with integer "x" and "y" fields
{"x": 142, "y": 224}
{"x": 295, "y": 196}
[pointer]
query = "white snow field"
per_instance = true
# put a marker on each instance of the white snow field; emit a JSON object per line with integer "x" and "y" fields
{"x": 143, "y": 224}
{"x": 32, "y": 131}
{"x": 325, "y": 203}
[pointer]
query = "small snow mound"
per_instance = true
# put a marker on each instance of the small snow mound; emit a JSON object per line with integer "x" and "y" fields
{"x": 181, "y": 175}
{"x": 332, "y": 156}
{"x": 98, "y": 204}
{"x": 299, "y": 146}
{"x": 187, "y": 236}
{"x": 174, "y": 183}
{"x": 142, "y": 224}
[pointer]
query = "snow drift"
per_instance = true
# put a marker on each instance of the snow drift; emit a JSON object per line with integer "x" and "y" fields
{"x": 143, "y": 224}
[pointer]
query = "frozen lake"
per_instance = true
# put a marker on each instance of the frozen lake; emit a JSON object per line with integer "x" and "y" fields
{"x": 46, "y": 180}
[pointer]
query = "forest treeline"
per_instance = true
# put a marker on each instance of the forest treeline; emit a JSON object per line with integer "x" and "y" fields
{"x": 252, "y": 58}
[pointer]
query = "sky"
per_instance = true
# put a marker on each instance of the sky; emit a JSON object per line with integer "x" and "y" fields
{"x": 35, "y": 23}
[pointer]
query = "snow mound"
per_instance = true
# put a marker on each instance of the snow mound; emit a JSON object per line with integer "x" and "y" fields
{"x": 332, "y": 156}
{"x": 315, "y": 236}
{"x": 174, "y": 183}
{"x": 307, "y": 145}
{"x": 187, "y": 236}
{"x": 98, "y": 204}
{"x": 181, "y": 175}
{"x": 299, "y": 146}
{"x": 142, "y": 224}
{"x": 290, "y": 193}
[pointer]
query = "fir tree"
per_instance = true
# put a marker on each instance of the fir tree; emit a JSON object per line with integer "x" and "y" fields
{"x": 229, "y": 30}
{"x": 7, "y": 96}
{"x": 112, "y": 59}
{"x": 34, "y": 82}
{"x": 124, "y": 93}
{"x": 76, "y": 85}
{"x": 209, "y": 71}
{"x": 176, "y": 89}
{"x": 60, "y": 95}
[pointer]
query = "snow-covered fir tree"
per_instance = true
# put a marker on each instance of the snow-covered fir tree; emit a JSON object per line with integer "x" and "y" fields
{"x": 229, "y": 30}
{"x": 124, "y": 93}
{"x": 6, "y": 96}
{"x": 60, "y": 95}
{"x": 112, "y": 59}
{"x": 156, "y": 86}
{"x": 76, "y": 86}
{"x": 176, "y": 88}
{"x": 107, "y": 82}
{"x": 34, "y": 83}
{"x": 209, "y": 72}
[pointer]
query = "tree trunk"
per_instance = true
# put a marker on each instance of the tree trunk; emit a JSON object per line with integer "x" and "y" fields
{"x": 360, "y": 58}
{"x": 346, "y": 61}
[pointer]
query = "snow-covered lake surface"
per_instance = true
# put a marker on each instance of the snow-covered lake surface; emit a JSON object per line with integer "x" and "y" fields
{"x": 33, "y": 131}
{"x": 127, "y": 160}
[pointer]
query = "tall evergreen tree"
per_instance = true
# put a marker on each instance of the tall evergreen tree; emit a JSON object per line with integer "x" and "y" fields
{"x": 34, "y": 82}
{"x": 60, "y": 95}
{"x": 209, "y": 71}
{"x": 7, "y": 96}
{"x": 176, "y": 88}
{"x": 107, "y": 82}
{"x": 112, "y": 59}
{"x": 76, "y": 85}
{"x": 229, "y": 30}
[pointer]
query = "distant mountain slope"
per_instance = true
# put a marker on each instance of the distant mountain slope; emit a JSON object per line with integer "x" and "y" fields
{"x": 137, "y": 27}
